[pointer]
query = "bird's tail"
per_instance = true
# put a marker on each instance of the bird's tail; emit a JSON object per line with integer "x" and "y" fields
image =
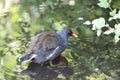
{"x": 24, "y": 58}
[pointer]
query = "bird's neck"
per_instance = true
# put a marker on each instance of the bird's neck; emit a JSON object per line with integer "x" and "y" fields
{"x": 64, "y": 37}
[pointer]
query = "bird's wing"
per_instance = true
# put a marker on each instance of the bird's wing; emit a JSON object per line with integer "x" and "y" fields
{"x": 50, "y": 42}
{"x": 44, "y": 41}
{"x": 51, "y": 46}
{"x": 35, "y": 42}
{"x": 46, "y": 45}
{"x": 53, "y": 54}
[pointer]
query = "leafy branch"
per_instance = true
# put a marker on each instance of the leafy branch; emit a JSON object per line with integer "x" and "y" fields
{"x": 99, "y": 23}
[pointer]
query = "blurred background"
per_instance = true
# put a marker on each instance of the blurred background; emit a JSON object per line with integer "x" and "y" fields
{"x": 92, "y": 57}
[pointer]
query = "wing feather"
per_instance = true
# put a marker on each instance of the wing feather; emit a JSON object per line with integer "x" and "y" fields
{"x": 43, "y": 42}
{"x": 44, "y": 46}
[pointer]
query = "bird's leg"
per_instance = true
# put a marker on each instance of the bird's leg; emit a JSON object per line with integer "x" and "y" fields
{"x": 51, "y": 63}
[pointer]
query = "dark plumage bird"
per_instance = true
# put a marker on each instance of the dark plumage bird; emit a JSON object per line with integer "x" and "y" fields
{"x": 47, "y": 46}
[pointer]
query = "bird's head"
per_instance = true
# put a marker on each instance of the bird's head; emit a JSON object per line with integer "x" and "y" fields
{"x": 69, "y": 32}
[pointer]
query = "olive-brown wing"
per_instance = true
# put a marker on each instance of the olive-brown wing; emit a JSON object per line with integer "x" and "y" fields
{"x": 44, "y": 44}
{"x": 50, "y": 46}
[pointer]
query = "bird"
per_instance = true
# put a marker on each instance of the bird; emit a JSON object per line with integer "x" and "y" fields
{"x": 47, "y": 46}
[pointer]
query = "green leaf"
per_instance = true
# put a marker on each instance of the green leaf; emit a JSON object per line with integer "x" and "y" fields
{"x": 87, "y": 23}
{"x": 98, "y": 23}
{"x": 117, "y": 29}
{"x": 117, "y": 26}
{"x": 10, "y": 61}
{"x": 117, "y": 32}
{"x": 109, "y": 31}
{"x": 116, "y": 37}
{"x": 110, "y": 19}
{"x": 112, "y": 13}
{"x": 99, "y": 32}
{"x": 58, "y": 26}
{"x": 109, "y": 1}
{"x": 119, "y": 12}
{"x": 115, "y": 16}
{"x": 104, "y": 3}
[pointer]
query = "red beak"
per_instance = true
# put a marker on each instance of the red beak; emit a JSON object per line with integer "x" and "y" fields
{"x": 74, "y": 35}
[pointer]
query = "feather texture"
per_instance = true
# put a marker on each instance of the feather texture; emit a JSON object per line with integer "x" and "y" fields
{"x": 47, "y": 46}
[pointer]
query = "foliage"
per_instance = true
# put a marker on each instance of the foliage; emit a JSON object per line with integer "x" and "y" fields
{"x": 92, "y": 57}
{"x": 98, "y": 24}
